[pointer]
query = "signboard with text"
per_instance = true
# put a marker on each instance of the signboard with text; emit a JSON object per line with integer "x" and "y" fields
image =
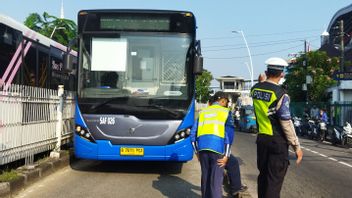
{"x": 342, "y": 76}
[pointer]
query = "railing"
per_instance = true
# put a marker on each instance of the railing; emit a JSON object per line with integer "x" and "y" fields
{"x": 28, "y": 118}
{"x": 338, "y": 113}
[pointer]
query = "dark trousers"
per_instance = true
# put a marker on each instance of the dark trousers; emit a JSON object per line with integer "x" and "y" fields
{"x": 272, "y": 162}
{"x": 212, "y": 174}
{"x": 233, "y": 173}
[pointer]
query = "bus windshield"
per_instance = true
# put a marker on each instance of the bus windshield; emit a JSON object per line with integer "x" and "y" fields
{"x": 135, "y": 65}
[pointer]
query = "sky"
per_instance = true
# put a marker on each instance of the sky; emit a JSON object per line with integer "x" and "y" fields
{"x": 272, "y": 28}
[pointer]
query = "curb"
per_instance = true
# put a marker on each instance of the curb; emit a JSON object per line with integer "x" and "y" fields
{"x": 29, "y": 176}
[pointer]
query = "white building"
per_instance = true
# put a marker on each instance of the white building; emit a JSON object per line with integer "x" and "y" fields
{"x": 238, "y": 89}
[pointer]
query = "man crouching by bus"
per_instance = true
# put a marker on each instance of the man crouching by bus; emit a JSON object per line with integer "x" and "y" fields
{"x": 211, "y": 137}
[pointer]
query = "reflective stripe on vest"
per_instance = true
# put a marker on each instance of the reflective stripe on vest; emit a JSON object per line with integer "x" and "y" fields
{"x": 262, "y": 99}
{"x": 212, "y": 121}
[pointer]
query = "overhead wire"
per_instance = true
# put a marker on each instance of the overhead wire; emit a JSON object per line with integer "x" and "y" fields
{"x": 263, "y": 42}
{"x": 259, "y": 35}
{"x": 259, "y": 54}
{"x": 254, "y": 46}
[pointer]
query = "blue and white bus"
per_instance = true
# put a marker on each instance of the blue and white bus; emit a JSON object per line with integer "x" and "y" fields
{"x": 136, "y": 85}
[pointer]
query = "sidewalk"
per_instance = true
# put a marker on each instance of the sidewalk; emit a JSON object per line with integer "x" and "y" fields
{"x": 30, "y": 175}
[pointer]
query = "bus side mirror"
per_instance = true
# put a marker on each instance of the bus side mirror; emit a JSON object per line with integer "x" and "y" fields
{"x": 68, "y": 58}
{"x": 198, "y": 65}
{"x": 68, "y": 61}
{"x": 198, "y": 59}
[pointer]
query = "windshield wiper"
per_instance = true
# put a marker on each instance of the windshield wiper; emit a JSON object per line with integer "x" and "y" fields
{"x": 162, "y": 108}
{"x": 98, "y": 105}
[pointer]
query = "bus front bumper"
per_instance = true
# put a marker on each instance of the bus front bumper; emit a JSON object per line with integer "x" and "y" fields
{"x": 181, "y": 151}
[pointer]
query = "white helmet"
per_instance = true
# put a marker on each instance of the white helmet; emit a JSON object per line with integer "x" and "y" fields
{"x": 276, "y": 63}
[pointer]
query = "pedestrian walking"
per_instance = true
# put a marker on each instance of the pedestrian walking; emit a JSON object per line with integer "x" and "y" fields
{"x": 212, "y": 136}
{"x": 275, "y": 130}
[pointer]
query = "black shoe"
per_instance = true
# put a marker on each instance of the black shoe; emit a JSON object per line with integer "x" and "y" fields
{"x": 242, "y": 189}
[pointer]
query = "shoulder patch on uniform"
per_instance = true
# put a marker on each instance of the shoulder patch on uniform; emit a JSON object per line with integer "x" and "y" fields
{"x": 262, "y": 95}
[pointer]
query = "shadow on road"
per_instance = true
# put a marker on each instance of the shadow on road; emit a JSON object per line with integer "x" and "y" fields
{"x": 175, "y": 187}
{"x": 126, "y": 166}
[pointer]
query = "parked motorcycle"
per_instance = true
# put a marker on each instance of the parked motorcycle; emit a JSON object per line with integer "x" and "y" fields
{"x": 297, "y": 123}
{"x": 322, "y": 130}
{"x": 342, "y": 135}
{"x": 347, "y": 135}
{"x": 312, "y": 130}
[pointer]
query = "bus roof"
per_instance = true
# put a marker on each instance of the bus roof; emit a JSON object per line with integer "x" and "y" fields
{"x": 141, "y": 11}
{"x": 8, "y": 21}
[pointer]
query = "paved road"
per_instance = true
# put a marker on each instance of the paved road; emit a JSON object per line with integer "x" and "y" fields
{"x": 85, "y": 178}
{"x": 115, "y": 179}
{"x": 326, "y": 170}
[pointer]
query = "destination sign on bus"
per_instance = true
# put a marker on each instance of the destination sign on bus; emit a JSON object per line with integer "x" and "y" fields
{"x": 135, "y": 23}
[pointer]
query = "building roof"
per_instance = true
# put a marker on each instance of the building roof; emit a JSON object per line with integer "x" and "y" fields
{"x": 231, "y": 78}
{"x": 339, "y": 13}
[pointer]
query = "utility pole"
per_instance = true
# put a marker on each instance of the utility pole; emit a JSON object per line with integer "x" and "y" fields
{"x": 305, "y": 65}
{"x": 342, "y": 48}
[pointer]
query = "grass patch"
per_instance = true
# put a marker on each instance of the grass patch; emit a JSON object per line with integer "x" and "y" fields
{"x": 7, "y": 176}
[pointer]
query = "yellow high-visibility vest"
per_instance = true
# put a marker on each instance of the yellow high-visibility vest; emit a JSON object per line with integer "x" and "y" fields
{"x": 212, "y": 121}
{"x": 265, "y": 97}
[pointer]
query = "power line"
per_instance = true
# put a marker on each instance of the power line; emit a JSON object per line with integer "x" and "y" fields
{"x": 260, "y": 35}
{"x": 291, "y": 32}
{"x": 260, "y": 54}
{"x": 255, "y": 46}
{"x": 253, "y": 43}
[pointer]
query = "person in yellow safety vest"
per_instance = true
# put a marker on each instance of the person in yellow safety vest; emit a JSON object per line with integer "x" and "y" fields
{"x": 275, "y": 130}
{"x": 212, "y": 136}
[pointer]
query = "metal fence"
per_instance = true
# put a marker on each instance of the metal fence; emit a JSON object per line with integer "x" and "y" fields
{"x": 28, "y": 118}
{"x": 339, "y": 113}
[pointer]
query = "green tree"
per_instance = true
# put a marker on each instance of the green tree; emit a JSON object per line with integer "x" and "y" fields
{"x": 65, "y": 29}
{"x": 320, "y": 67}
{"x": 203, "y": 86}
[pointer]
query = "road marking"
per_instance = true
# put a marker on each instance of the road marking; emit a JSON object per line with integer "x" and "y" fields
{"x": 322, "y": 155}
{"x": 330, "y": 158}
{"x": 333, "y": 159}
{"x": 344, "y": 163}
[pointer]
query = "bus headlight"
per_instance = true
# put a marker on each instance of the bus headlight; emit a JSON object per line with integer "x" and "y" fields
{"x": 84, "y": 133}
{"x": 181, "y": 135}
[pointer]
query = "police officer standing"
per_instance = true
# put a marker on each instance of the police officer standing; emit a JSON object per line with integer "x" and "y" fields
{"x": 275, "y": 130}
{"x": 211, "y": 137}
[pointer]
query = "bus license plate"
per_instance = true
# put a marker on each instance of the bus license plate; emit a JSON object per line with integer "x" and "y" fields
{"x": 132, "y": 151}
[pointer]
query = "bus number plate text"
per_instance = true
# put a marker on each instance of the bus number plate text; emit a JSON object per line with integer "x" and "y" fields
{"x": 132, "y": 151}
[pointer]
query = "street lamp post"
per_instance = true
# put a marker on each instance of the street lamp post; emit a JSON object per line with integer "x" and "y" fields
{"x": 249, "y": 53}
{"x": 55, "y": 28}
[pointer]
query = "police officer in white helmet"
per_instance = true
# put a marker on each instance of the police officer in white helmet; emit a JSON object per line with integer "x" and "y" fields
{"x": 275, "y": 130}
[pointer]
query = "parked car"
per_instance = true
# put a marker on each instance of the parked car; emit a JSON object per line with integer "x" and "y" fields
{"x": 247, "y": 120}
